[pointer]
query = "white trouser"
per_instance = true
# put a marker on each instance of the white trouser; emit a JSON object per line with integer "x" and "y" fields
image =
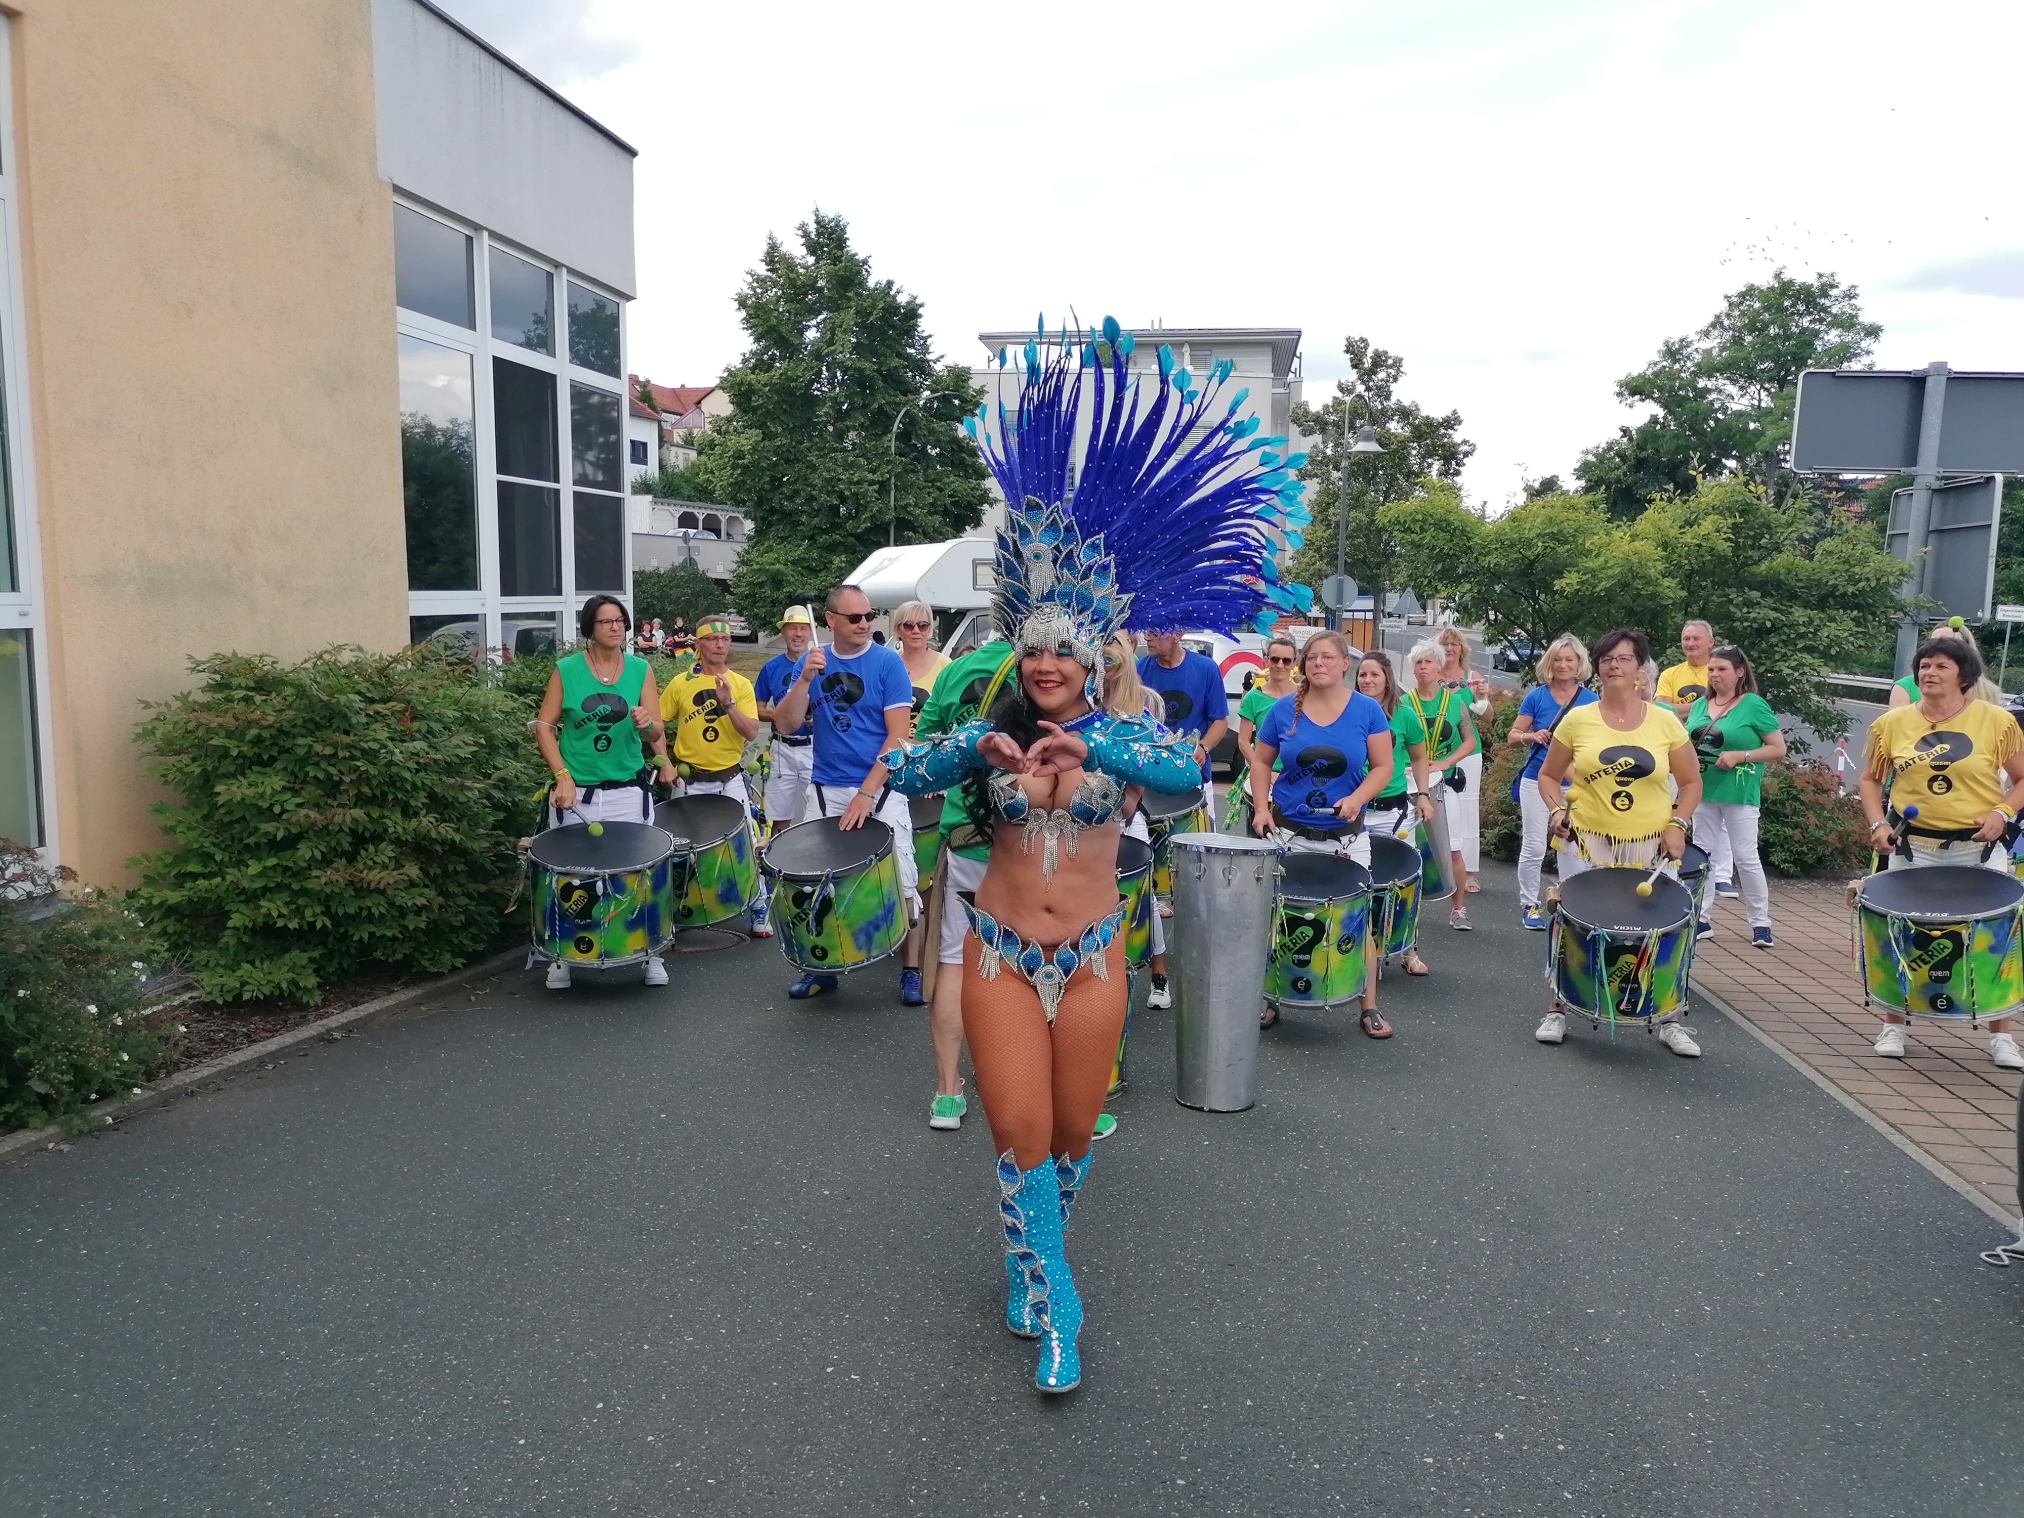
{"x": 1532, "y": 852}
{"x": 787, "y": 782}
{"x": 734, "y": 788}
{"x": 1356, "y": 849}
{"x": 1465, "y": 813}
{"x": 1730, "y": 828}
{"x": 1967, "y": 852}
{"x": 1403, "y": 822}
{"x": 959, "y": 875}
{"x": 1137, "y": 828}
{"x": 830, "y": 800}
{"x": 629, "y": 803}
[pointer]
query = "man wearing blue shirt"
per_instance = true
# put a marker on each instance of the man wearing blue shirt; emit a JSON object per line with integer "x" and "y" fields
{"x": 859, "y": 698}
{"x": 1192, "y": 688}
{"x": 793, "y": 753}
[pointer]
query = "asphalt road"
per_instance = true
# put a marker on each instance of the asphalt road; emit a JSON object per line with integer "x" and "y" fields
{"x": 696, "y": 1252}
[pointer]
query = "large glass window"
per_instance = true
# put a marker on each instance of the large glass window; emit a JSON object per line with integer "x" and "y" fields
{"x": 20, "y": 795}
{"x": 523, "y": 421}
{"x": 432, "y": 268}
{"x": 530, "y": 540}
{"x": 438, "y": 424}
{"x": 523, "y": 303}
{"x": 594, "y": 438}
{"x": 593, "y": 330}
{"x": 10, "y": 572}
{"x": 600, "y": 541}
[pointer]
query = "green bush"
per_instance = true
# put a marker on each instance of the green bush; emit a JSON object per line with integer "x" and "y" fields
{"x": 1502, "y": 824}
{"x": 1806, "y": 826}
{"x": 348, "y": 810}
{"x": 71, "y": 973}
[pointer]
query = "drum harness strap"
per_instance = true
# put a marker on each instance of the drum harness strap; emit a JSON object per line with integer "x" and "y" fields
{"x": 1905, "y": 831}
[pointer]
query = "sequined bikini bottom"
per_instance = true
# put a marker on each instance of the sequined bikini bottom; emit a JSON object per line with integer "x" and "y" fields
{"x": 1047, "y": 972}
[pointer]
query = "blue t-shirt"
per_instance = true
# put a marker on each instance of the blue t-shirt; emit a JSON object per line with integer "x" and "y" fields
{"x": 771, "y": 683}
{"x": 1542, "y": 707}
{"x": 847, "y": 702}
{"x": 1192, "y": 690}
{"x": 1319, "y": 765}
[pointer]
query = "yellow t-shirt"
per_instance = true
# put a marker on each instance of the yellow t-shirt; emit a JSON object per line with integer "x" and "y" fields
{"x": 922, "y": 687}
{"x": 1621, "y": 779}
{"x": 1683, "y": 683}
{"x": 1952, "y": 770}
{"x": 703, "y": 735}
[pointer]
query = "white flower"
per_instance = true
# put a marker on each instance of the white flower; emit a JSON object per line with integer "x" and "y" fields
{"x": 118, "y": 1021}
{"x": 123, "y": 1057}
{"x": 91, "y": 1007}
{"x": 139, "y": 966}
{"x": 22, "y": 992}
{"x": 137, "y": 1091}
{"x": 182, "y": 1028}
{"x": 108, "y": 1122}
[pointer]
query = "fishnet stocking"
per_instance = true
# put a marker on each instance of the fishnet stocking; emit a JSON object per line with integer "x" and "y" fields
{"x": 1042, "y": 1085}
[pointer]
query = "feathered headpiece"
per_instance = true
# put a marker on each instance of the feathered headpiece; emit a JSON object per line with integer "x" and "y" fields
{"x": 1165, "y": 525}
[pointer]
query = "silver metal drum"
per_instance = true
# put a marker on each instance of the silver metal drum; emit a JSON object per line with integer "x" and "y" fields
{"x": 1225, "y": 891}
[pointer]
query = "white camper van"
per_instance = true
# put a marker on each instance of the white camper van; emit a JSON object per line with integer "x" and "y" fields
{"x": 955, "y": 578}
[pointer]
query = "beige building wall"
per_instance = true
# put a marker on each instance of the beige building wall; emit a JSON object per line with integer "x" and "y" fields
{"x": 207, "y": 255}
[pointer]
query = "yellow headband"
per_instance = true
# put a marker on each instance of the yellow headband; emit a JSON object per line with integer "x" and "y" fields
{"x": 713, "y": 625}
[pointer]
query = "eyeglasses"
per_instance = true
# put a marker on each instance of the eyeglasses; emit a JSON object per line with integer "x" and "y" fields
{"x": 915, "y": 626}
{"x": 1276, "y": 660}
{"x": 1616, "y": 659}
{"x": 854, "y": 617}
{"x": 609, "y": 622}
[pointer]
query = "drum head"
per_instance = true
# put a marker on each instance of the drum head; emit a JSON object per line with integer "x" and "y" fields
{"x": 622, "y": 846}
{"x": 1162, "y": 807}
{"x": 1693, "y": 863}
{"x": 1393, "y": 861}
{"x": 1323, "y": 877}
{"x": 1220, "y": 843}
{"x": 821, "y": 847}
{"x": 1942, "y": 893}
{"x": 1133, "y": 855}
{"x": 696, "y": 822}
{"x": 1608, "y": 899}
{"x": 926, "y": 812}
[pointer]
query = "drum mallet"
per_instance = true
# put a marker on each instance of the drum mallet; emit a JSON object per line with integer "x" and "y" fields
{"x": 1644, "y": 887}
{"x": 1897, "y": 834}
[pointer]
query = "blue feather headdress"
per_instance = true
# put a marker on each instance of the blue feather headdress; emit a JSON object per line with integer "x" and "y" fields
{"x": 1166, "y": 523}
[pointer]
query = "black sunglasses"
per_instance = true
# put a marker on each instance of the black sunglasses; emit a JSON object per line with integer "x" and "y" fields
{"x": 855, "y": 616}
{"x": 915, "y": 626}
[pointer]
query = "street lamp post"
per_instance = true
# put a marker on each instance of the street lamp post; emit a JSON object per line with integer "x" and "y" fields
{"x": 893, "y": 462}
{"x": 1366, "y": 443}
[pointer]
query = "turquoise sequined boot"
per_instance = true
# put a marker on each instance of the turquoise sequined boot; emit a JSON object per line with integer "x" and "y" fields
{"x": 1068, "y": 1178}
{"x": 1029, "y": 1205}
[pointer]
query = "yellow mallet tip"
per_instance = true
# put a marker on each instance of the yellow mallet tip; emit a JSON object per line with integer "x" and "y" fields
{"x": 1644, "y": 887}
{"x": 597, "y": 831}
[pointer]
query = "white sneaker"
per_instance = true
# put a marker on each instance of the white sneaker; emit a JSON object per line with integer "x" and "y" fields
{"x": 558, "y": 976}
{"x": 1680, "y": 1040}
{"x": 657, "y": 973}
{"x": 1459, "y": 919}
{"x": 1891, "y": 1042}
{"x": 1552, "y": 1028}
{"x": 2004, "y": 1051}
{"x": 1161, "y": 996}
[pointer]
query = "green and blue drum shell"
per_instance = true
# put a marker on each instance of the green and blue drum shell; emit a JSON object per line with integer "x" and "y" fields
{"x": 1318, "y": 938}
{"x": 1615, "y": 953}
{"x": 1395, "y": 891}
{"x": 601, "y": 899}
{"x": 1181, "y": 812}
{"x": 1942, "y": 941}
{"x": 926, "y": 814}
{"x": 836, "y": 894}
{"x": 1135, "y": 886}
{"x": 715, "y": 875}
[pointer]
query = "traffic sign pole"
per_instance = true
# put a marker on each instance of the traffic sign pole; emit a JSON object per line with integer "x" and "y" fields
{"x": 1919, "y": 509}
{"x": 2009, "y": 615}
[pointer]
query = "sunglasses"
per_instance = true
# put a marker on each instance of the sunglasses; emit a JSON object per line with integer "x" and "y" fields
{"x": 854, "y": 617}
{"x": 915, "y": 626}
{"x": 1277, "y": 660}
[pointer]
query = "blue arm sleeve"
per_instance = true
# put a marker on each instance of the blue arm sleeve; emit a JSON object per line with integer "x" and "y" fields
{"x": 929, "y": 766}
{"x": 1140, "y": 752}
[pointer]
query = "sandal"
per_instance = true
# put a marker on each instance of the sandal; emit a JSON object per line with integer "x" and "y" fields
{"x": 1416, "y": 966}
{"x": 1268, "y": 1016}
{"x": 1374, "y": 1025}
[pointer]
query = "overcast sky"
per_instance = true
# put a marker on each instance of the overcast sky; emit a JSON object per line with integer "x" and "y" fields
{"x": 1521, "y": 197}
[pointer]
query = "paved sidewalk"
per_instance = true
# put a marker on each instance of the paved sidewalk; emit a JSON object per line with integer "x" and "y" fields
{"x": 1945, "y": 1096}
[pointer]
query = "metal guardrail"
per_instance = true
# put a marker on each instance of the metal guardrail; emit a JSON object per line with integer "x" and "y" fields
{"x": 1859, "y": 682}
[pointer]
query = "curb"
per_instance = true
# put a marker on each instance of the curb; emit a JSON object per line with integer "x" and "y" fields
{"x": 36, "y": 1140}
{"x": 1971, "y": 1192}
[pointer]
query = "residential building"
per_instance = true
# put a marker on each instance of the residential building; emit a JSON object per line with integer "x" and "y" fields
{"x": 318, "y": 236}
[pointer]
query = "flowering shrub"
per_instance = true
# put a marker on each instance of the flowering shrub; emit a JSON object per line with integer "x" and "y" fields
{"x": 1806, "y": 826}
{"x": 70, "y": 985}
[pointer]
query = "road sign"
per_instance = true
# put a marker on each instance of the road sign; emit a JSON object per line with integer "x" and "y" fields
{"x": 1961, "y": 526}
{"x": 2007, "y": 612}
{"x": 1338, "y": 592}
{"x": 1857, "y": 421}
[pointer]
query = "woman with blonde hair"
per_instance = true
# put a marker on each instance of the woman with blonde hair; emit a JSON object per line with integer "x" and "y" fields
{"x": 1465, "y": 806}
{"x": 912, "y": 622}
{"x": 1563, "y": 672}
{"x": 1443, "y": 711}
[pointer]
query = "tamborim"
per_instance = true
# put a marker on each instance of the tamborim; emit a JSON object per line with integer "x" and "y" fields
{"x": 714, "y": 875}
{"x": 1395, "y": 887}
{"x": 601, "y": 900}
{"x": 1615, "y": 954}
{"x": 1317, "y": 942}
{"x": 1942, "y": 941}
{"x": 836, "y": 895}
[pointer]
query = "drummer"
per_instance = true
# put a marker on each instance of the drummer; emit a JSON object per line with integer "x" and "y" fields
{"x": 1338, "y": 746}
{"x": 791, "y": 755}
{"x": 1400, "y": 809}
{"x": 1617, "y": 755}
{"x": 713, "y": 713}
{"x": 1961, "y": 762}
{"x": 596, "y": 718}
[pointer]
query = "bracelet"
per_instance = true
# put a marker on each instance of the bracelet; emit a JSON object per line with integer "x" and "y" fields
{"x": 1678, "y": 822}
{"x": 2007, "y": 812}
{"x": 1881, "y": 822}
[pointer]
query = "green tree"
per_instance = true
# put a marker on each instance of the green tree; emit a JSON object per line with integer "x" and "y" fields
{"x": 675, "y": 485}
{"x": 1723, "y": 398}
{"x": 834, "y": 358}
{"x": 683, "y": 591}
{"x": 1417, "y": 446}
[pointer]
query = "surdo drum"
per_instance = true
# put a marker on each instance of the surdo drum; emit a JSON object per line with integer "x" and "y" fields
{"x": 1942, "y": 942}
{"x": 1318, "y": 939}
{"x": 714, "y": 877}
{"x": 836, "y": 895}
{"x": 601, "y": 899}
{"x": 1613, "y": 954}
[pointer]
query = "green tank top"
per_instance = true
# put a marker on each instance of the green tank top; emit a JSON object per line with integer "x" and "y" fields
{"x": 598, "y": 740}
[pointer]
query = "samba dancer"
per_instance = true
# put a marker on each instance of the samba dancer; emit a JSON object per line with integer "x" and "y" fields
{"x": 1181, "y": 540}
{"x": 1960, "y": 761}
{"x": 1618, "y": 754}
{"x": 1339, "y": 756}
{"x": 599, "y": 706}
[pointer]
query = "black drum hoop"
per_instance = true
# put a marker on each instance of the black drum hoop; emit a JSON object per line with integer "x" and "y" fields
{"x": 884, "y": 848}
{"x": 690, "y": 843}
{"x": 599, "y": 872}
